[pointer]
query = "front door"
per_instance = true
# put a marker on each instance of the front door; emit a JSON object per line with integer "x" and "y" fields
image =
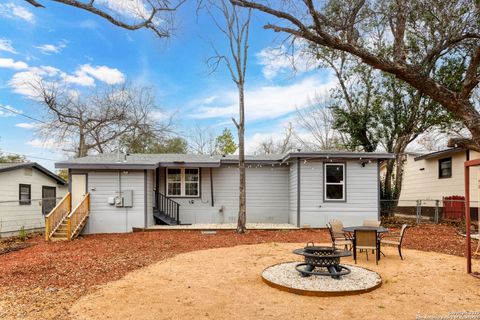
{"x": 79, "y": 188}
{"x": 49, "y": 201}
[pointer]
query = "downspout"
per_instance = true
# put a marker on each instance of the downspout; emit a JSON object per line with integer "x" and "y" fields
{"x": 211, "y": 187}
{"x": 298, "y": 192}
{"x": 145, "y": 205}
{"x": 379, "y": 206}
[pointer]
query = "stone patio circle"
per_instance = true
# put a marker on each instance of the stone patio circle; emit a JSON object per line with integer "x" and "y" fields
{"x": 284, "y": 276}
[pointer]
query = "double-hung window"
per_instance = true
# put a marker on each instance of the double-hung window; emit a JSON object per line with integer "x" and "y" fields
{"x": 25, "y": 194}
{"x": 183, "y": 182}
{"x": 445, "y": 168}
{"x": 334, "y": 182}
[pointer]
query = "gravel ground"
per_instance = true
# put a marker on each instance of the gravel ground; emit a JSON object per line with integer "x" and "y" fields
{"x": 43, "y": 280}
{"x": 286, "y": 275}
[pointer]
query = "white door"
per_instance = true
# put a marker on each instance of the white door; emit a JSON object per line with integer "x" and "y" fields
{"x": 79, "y": 188}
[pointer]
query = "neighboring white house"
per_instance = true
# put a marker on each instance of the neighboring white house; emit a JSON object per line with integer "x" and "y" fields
{"x": 27, "y": 192}
{"x": 303, "y": 189}
{"x": 436, "y": 175}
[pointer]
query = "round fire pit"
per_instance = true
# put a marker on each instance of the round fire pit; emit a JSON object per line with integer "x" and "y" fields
{"x": 322, "y": 261}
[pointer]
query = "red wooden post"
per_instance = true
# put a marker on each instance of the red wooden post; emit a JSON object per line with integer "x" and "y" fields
{"x": 467, "y": 217}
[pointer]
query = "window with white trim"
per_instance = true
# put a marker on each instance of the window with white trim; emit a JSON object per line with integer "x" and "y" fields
{"x": 183, "y": 182}
{"x": 334, "y": 181}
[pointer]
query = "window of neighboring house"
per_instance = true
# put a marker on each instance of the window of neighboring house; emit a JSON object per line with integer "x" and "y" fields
{"x": 25, "y": 194}
{"x": 183, "y": 182}
{"x": 334, "y": 180}
{"x": 445, "y": 168}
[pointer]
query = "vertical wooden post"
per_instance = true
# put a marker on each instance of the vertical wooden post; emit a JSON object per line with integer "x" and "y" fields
{"x": 467, "y": 217}
{"x": 47, "y": 229}
{"x": 69, "y": 230}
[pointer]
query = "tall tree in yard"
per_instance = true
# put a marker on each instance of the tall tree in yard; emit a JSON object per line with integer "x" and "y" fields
{"x": 224, "y": 143}
{"x": 235, "y": 27}
{"x": 96, "y": 122}
{"x": 411, "y": 40}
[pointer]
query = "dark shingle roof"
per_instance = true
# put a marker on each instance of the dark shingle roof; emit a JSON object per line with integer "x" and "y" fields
{"x": 152, "y": 161}
{"x": 8, "y": 166}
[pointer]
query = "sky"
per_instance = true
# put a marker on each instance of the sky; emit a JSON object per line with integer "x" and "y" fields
{"x": 88, "y": 52}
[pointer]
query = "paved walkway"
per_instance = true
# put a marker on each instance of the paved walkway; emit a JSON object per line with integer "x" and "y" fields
{"x": 226, "y": 226}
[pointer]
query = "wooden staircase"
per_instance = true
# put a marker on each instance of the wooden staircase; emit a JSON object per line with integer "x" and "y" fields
{"x": 62, "y": 223}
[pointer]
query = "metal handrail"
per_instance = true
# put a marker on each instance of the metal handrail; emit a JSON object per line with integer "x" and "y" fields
{"x": 169, "y": 207}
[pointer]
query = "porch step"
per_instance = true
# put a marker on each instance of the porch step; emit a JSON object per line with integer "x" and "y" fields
{"x": 163, "y": 219}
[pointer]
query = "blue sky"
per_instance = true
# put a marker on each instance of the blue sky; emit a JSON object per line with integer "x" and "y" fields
{"x": 92, "y": 52}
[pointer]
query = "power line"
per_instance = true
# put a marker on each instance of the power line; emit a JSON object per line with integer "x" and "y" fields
{"x": 22, "y": 114}
{"x": 28, "y": 156}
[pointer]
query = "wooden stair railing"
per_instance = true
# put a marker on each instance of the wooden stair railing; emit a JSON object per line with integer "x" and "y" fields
{"x": 55, "y": 217}
{"x": 77, "y": 218}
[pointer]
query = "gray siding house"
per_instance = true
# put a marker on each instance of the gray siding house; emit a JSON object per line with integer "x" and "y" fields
{"x": 302, "y": 189}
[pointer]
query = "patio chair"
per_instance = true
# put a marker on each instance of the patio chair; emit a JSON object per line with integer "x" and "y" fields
{"x": 371, "y": 223}
{"x": 395, "y": 239}
{"x": 366, "y": 240}
{"x": 339, "y": 238}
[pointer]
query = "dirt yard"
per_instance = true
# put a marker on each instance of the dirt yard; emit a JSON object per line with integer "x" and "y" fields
{"x": 43, "y": 280}
{"x": 226, "y": 284}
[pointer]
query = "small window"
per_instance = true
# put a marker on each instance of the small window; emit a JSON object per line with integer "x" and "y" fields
{"x": 334, "y": 178}
{"x": 183, "y": 182}
{"x": 24, "y": 194}
{"x": 445, "y": 168}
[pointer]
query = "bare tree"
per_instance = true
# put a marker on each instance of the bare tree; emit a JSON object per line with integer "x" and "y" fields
{"x": 155, "y": 15}
{"x": 201, "y": 140}
{"x": 97, "y": 122}
{"x": 412, "y": 40}
{"x": 317, "y": 121}
{"x": 235, "y": 28}
{"x": 272, "y": 145}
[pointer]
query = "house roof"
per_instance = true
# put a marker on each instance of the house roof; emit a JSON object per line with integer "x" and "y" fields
{"x": 441, "y": 153}
{"x": 152, "y": 161}
{"x": 9, "y": 166}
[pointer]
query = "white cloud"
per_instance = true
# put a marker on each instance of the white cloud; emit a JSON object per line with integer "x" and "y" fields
{"x": 22, "y": 82}
{"x": 12, "y": 64}
{"x": 277, "y": 60}
{"x": 80, "y": 78}
{"x": 9, "y": 112}
{"x": 11, "y": 10}
{"x": 51, "y": 48}
{"x": 6, "y": 45}
{"x": 103, "y": 73}
{"x": 27, "y": 125}
{"x": 44, "y": 144}
{"x": 127, "y": 8}
{"x": 267, "y": 102}
{"x": 85, "y": 76}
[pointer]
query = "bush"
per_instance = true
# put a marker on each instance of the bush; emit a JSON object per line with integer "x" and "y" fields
{"x": 22, "y": 234}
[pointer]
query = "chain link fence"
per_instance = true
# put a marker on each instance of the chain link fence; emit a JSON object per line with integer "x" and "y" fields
{"x": 27, "y": 215}
{"x": 428, "y": 210}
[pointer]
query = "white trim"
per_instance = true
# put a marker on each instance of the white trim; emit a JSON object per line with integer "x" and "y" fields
{"x": 182, "y": 182}
{"x": 325, "y": 183}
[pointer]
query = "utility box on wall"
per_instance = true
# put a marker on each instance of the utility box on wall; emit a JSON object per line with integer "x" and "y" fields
{"x": 128, "y": 198}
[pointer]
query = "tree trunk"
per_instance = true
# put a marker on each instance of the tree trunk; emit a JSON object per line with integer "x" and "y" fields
{"x": 82, "y": 146}
{"x": 242, "y": 209}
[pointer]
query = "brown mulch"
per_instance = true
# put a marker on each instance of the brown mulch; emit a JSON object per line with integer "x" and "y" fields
{"x": 34, "y": 279}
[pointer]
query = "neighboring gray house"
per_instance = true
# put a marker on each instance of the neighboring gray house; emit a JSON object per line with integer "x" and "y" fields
{"x": 28, "y": 191}
{"x": 303, "y": 189}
